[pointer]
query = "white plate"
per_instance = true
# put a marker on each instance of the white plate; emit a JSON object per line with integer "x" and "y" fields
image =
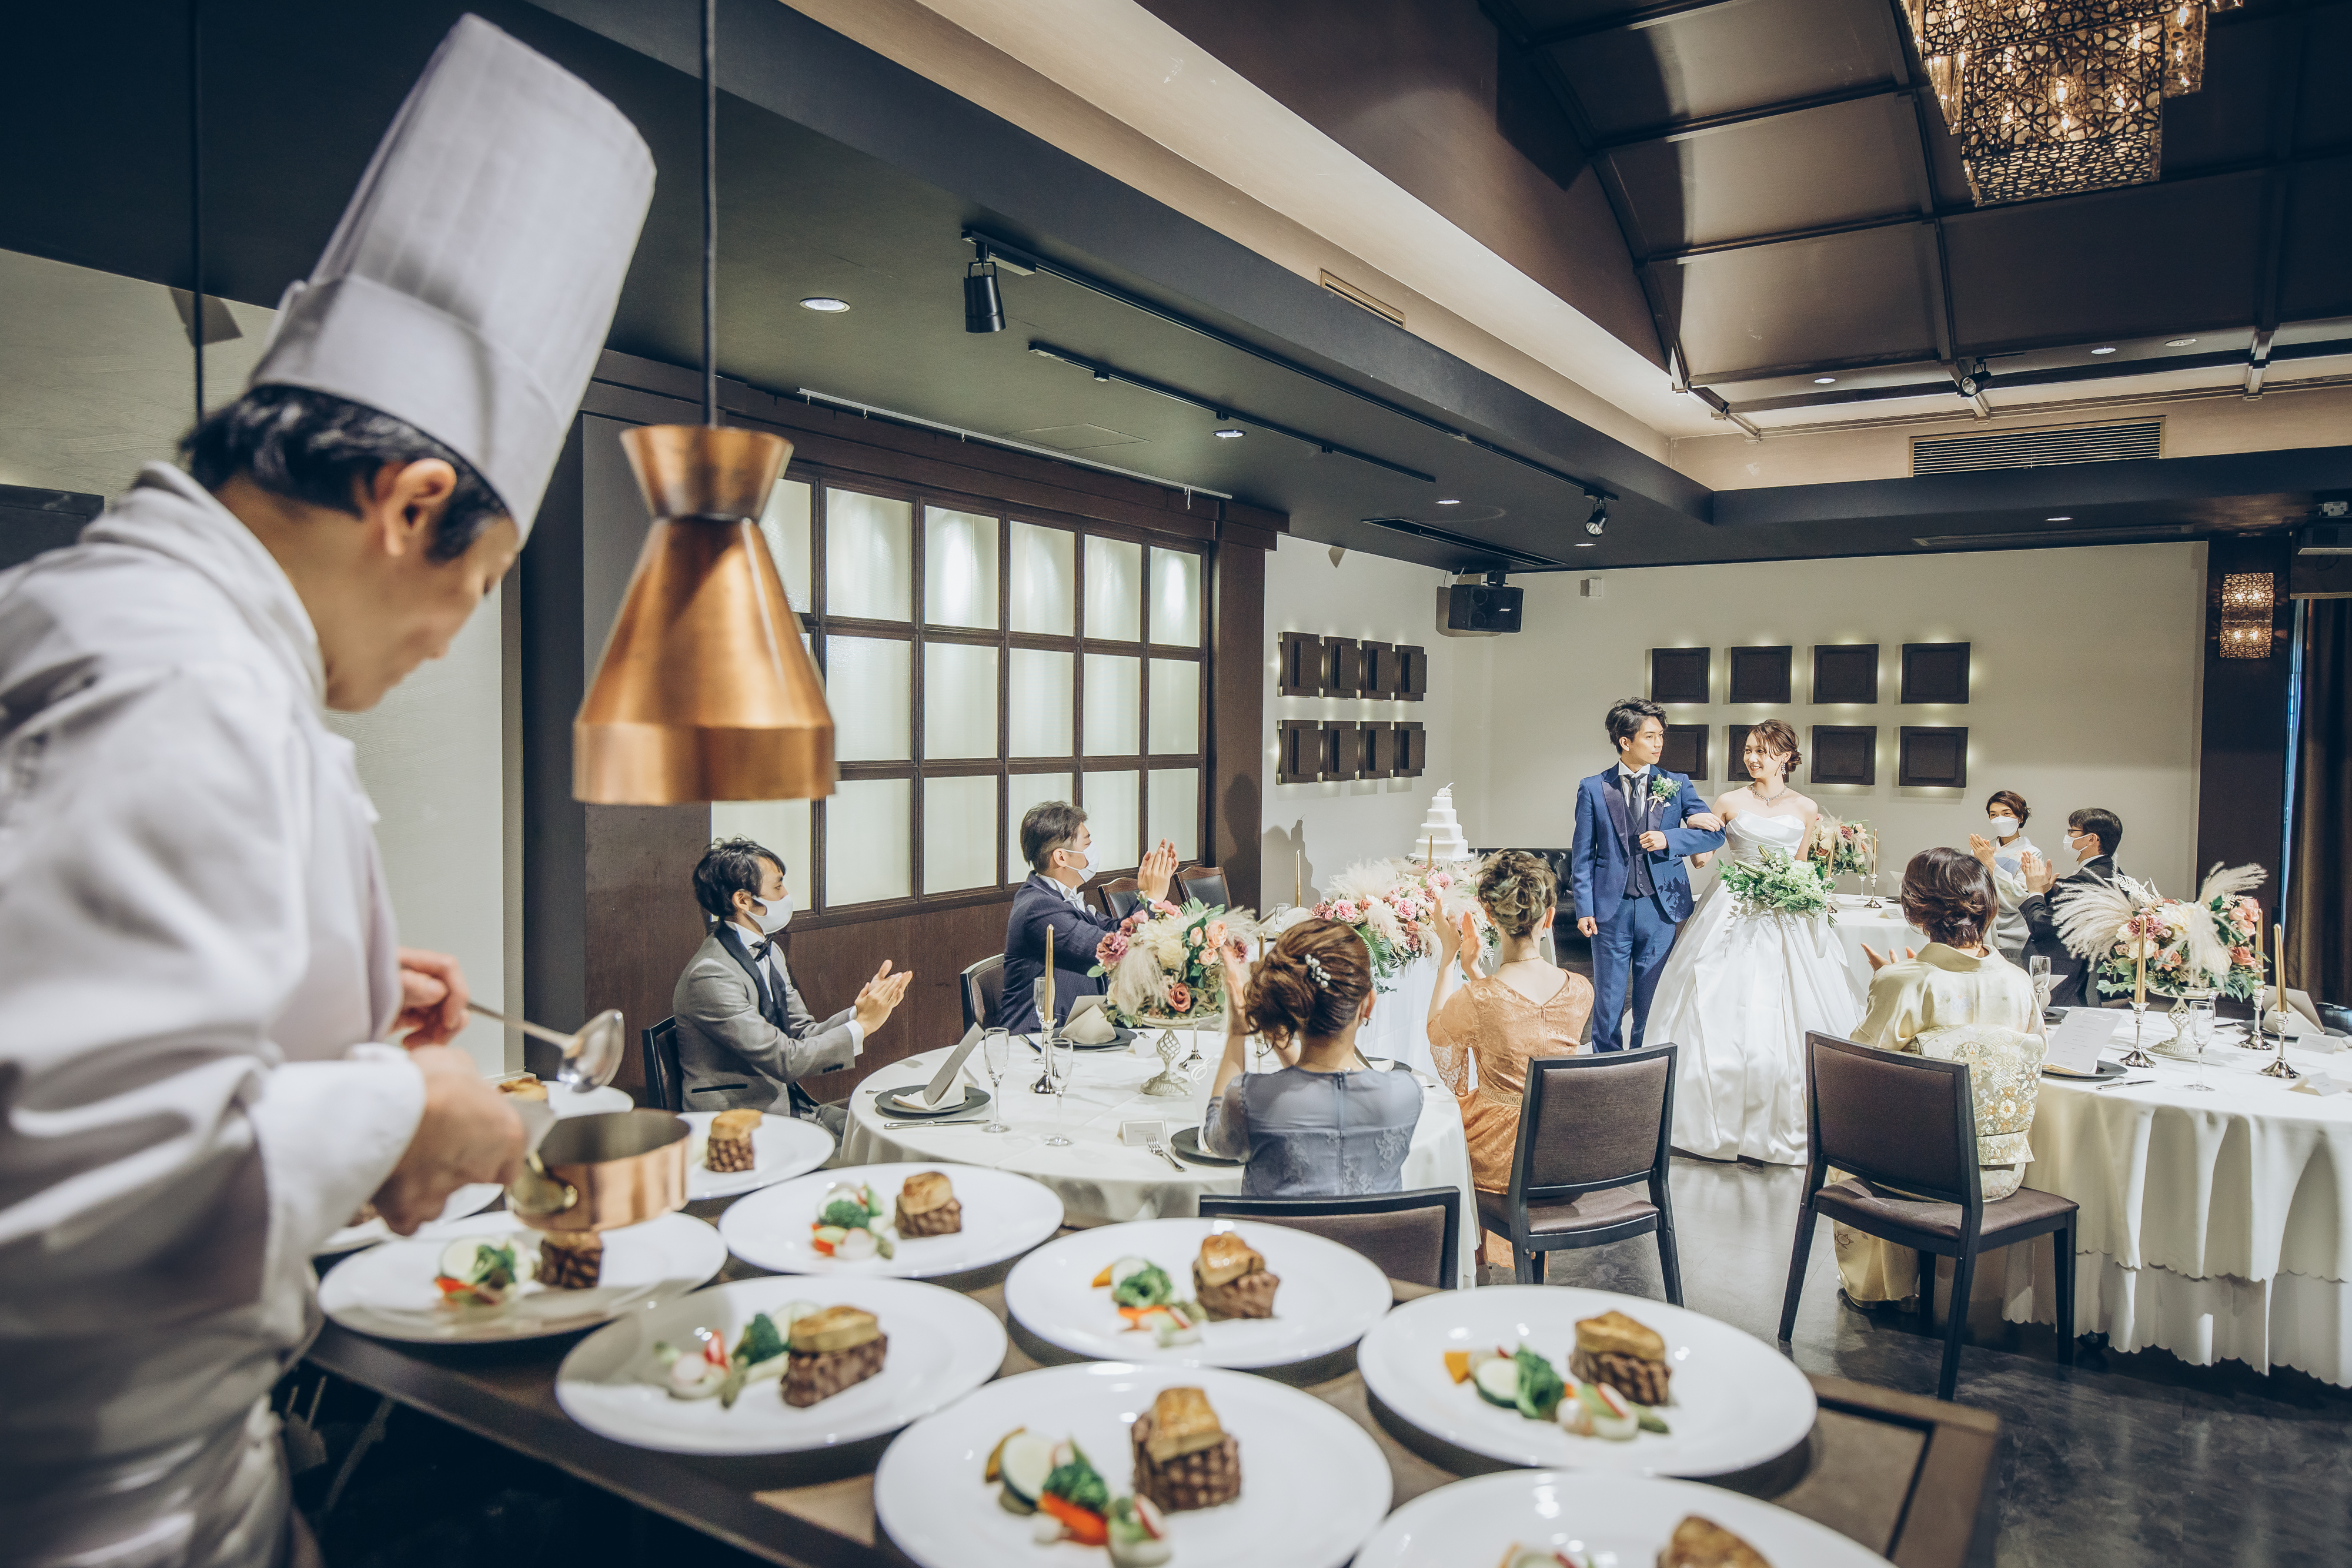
{"x": 388, "y": 1290}
{"x": 1003, "y": 1216}
{"x": 470, "y": 1200}
{"x": 1736, "y": 1402}
{"x": 943, "y": 1346}
{"x": 1314, "y": 1484}
{"x": 782, "y": 1148}
{"x": 1621, "y": 1521}
{"x": 588, "y": 1102}
{"x": 1329, "y": 1297}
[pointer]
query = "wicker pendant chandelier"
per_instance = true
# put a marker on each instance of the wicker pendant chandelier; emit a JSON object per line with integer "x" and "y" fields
{"x": 2050, "y": 97}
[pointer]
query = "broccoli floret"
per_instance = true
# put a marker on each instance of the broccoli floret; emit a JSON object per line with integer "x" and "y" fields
{"x": 1077, "y": 1482}
{"x": 760, "y": 1342}
{"x": 848, "y": 1215}
{"x": 1540, "y": 1386}
{"x": 1147, "y": 1287}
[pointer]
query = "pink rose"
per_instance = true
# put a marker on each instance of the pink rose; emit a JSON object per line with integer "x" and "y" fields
{"x": 1344, "y": 912}
{"x": 1111, "y": 949}
{"x": 1179, "y": 996}
{"x": 1193, "y": 938}
{"x": 1443, "y": 879}
{"x": 1216, "y": 929}
{"x": 1164, "y": 908}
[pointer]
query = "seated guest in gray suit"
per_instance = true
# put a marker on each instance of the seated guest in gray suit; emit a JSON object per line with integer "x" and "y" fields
{"x": 1055, "y": 841}
{"x": 744, "y": 1039}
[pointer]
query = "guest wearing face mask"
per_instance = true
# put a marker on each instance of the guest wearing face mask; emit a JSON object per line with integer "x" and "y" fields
{"x": 1059, "y": 848}
{"x": 744, "y": 1037}
{"x": 2003, "y": 849}
{"x": 2092, "y": 833}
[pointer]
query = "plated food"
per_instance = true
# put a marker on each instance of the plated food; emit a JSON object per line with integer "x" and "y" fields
{"x": 728, "y": 1146}
{"x": 815, "y": 1352}
{"x": 729, "y": 1153}
{"x": 911, "y": 1220}
{"x": 1557, "y": 1376}
{"x": 1183, "y": 1458}
{"x": 523, "y": 1086}
{"x": 1231, "y": 1278}
{"x": 928, "y": 1205}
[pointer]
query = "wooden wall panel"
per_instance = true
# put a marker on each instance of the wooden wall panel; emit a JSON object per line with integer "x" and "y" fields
{"x": 1238, "y": 730}
{"x": 2242, "y": 754}
{"x": 643, "y": 924}
{"x": 831, "y": 963}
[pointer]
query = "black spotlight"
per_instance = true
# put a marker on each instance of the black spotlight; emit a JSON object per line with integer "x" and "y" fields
{"x": 983, "y": 308}
{"x": 1598, "y": 520}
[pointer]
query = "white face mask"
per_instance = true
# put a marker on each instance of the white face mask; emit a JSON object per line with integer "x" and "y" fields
{"x": 2086, "y": 848}
{"x": 774, "y": 914}
{"x": 1077, "y": 861}
{"x": 2002, "y": 827}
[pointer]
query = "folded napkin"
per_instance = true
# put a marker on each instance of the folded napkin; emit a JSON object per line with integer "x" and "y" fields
{"x": 1089, "y": 1025}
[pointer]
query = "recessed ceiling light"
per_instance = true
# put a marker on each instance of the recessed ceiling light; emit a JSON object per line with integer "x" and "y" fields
{"x": 2103, "y": 351}
{"x": 1229, "y": 435}
{"x": 824, "y": 303}
{"x": 1586, "y": 544}
{"x": 2057, "y": 519}
{"x": 1825, "y": 380}
{"x": 1448, "y": 501}
{"x": 2178, "y": 342}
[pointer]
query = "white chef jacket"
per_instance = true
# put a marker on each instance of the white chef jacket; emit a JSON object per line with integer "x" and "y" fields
{"x": 195, "y": 944}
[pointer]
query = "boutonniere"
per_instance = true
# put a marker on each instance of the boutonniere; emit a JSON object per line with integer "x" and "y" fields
{"x": 1663, "y": 788}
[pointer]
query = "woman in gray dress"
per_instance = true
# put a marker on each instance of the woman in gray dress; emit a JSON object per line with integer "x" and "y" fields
{"x": 1314, "y": 1128}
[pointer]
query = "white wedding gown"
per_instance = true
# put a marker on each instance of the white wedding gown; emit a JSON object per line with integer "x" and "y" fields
{"x": 1738, "y": 993}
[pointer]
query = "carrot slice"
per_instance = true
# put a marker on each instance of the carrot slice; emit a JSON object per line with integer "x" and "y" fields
{"x": 1457, "y": 1365}
{"x": 1102, "y": 1279}
{"x": 1086, "y": 1526}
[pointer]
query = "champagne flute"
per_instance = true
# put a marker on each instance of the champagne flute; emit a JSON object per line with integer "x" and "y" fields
{"x": 995, "y": 1054}
{"x": 2037, "y": 969}
{"x": 1042, "y": 990}
{"x": 1061, "y": 1062}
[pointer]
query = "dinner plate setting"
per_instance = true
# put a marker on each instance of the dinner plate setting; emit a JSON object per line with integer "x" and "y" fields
{"x": 1003, "y": 1216}
{"x": 1314, "y": 1485}
{"x": 1328, "y": 1295}
{"x": 961, "y": 1100}
{"x": 941, "y": 1346}
{"x": 1734, "y": 1402}
{"x": 388, "y": 1290}
{"x": 1606, "y": 1521}
{"x": 782, "y": 1147}
{"x": 470, "y": 1200}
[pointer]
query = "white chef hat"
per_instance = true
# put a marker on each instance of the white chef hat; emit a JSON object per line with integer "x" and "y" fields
{"x": 468, "y": 287}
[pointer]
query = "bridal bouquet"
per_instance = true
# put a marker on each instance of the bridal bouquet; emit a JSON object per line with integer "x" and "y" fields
{"x": 1779, "y": 884}
{"x": 1396, "y": 906}
{"x": 1164, "y": 962}
{"x": 1842, "y": 847}
{"x": 2207, "y": 943}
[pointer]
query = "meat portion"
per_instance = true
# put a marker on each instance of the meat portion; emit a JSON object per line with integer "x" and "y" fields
{"x": 810, "y": 1377}
{"x": 1204, "y": 1479}
{"x": 570, "y": 1260}
{"x": 1250, "y": 1296}
{"x": 944, "y": 1220}
{"x": 729, "y": 1147}
{"x": 1643, "y": 1382}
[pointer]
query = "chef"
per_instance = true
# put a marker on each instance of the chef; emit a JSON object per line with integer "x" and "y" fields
{"x": 198, "y": 967}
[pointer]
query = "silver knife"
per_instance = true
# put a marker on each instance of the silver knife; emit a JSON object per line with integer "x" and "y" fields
{"x": 937, "y": 1122}
{"x": 2125, "y": 1082}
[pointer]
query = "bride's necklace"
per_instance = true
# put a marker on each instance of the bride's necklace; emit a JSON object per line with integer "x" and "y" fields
{"x": 1768, "y": 799}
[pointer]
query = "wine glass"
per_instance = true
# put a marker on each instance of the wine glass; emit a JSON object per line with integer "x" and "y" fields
{"x": 995, "y": 1054}
{"x": 1061, "y": 1062}
{"x": 2037, "y": 969}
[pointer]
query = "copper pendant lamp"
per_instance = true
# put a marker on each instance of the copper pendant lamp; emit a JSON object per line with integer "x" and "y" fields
{"x": 705, "y": 690}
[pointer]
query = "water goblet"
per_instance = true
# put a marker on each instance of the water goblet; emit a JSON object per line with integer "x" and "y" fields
{"x": 1060, "y": 1061}
{"x": 2198, "y": 1026}
{"x": 995, "y": 1054}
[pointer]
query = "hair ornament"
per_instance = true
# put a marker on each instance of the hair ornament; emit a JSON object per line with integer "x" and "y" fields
{"x": 1318, "y": 973}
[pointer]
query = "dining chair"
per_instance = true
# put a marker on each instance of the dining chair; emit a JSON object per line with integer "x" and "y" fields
{"x": 1205, "y": 883}
{"x": 1591, "y": 1128}
{"x": 1120, "y": 895}
{"x": 983, "y": 985}
{"x": 1413, "y": 1235}
{"x": 1902, "y": 1132}
{"x": 665, "y": 1080}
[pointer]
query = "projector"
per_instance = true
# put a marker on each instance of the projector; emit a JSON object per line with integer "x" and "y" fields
{"x": 1487, "y": 607}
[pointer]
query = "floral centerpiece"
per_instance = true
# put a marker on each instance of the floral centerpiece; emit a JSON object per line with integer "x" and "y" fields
{"x": 1397, "y": 907}
{"x": 1166, "y": 964}
{"x": 1840, "y": 847}
{"x": 2207, "y": 943}
{"x": 1781, "y": 884}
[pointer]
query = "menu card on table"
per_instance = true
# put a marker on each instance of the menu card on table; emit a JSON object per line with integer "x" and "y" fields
{"x": 2074, "y": 1043}
{"x": 945, "y": 1076}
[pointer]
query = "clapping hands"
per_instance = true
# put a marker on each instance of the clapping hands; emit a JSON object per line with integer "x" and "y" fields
{"x": 1880, "y": 960}
{"x": 2040, "y": 874}
{"x": 1981, "y": 847}
{"x": 1157, "y": 869}
{"x": 880, "y": 996}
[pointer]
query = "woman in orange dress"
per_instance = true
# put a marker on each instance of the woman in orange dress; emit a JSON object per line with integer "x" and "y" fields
{"x": 1528, "y": 1008}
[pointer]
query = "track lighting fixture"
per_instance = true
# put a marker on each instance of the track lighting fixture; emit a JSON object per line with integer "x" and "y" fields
{"x": 983, "y": 306}
{"x": 1600, "y": 518}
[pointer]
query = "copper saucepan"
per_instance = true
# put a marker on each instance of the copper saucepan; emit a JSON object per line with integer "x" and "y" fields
{"x": 621, "y": 1167}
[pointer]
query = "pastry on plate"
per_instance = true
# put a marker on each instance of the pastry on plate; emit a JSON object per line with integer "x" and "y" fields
{"x": 1703, "y": 1543}
{"x": 832, "y": 1349}
{"x": 570, "y": 1260}
{"x": 729, "y": 1146}
{"x": 928, "y": 1205}
{"x": 524, "y": 1086}
{"x": 1230, "y": 1280}
{"x": 1628, "y": 1357}
{"x": 1184, "y": 1458}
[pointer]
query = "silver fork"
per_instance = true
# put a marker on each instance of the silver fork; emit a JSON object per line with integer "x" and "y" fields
{"x": 1153, "y": 1145}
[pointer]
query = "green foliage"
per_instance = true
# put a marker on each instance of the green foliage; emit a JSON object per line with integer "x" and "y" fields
{"x": 1779, "y": 885}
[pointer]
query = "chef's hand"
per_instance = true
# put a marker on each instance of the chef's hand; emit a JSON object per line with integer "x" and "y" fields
{"x": 1587, "y": 926}
{"x": 468, "y": 1133}
{"x": 1704, "y": 820}
{"x": 432, "y": 997}
{"x": 1653, "y": 840}
{"x": 1981, "y": 847}
{"x": 1152, "y": 877}
{"x": 1880, "y": 960}
{"x": 880, "y": 995}
{"x": 2040, "y": 874}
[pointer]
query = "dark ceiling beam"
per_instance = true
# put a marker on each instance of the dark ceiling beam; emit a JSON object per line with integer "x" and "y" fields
{"x": 1919, "y": 170}
{"x": 2285, "y": 96}
{"x": 1791, "y": 236}
{"x": 1691, "y": 125}
{"x": 2056, "y": 375}
{"x": 1640, "y": 16}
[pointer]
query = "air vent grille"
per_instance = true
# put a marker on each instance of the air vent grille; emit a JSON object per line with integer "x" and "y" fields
{"x": 2037, "y": 448}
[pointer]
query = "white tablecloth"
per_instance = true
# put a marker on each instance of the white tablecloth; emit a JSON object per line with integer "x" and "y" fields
{"x": 1099, "y": 1179}
{"x": 1399, "y": 1026}
{"x": 2213, "y": 1226}
{"x": 1882, "y": 928}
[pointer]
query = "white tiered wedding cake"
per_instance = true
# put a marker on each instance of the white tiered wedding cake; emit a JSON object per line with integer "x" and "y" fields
{"x": 1440, "y": 836}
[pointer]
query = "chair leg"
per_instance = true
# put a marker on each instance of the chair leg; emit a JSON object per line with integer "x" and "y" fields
{"x": 1924, "y": 1265}
{"x": 1964, "y": 1268}
{"x": 1800, "y": 1254}
{"x": 2062, "y": 1244}
{"x": 1525, "y": 1265}
{"x": 1670, "y": 1262}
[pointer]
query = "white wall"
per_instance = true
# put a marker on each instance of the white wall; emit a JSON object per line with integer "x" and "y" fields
{"x": 1334, "y": 824}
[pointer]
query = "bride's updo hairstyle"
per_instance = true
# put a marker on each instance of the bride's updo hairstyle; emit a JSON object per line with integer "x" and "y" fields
{"x": 1310, "y": 982}
{"x": 1517, "y": 887}
{"x": 1949, "y": 894}
{"x": 1777, "y": 737}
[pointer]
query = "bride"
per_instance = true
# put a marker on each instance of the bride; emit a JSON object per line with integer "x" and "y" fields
{"x": 1740, "y": 991}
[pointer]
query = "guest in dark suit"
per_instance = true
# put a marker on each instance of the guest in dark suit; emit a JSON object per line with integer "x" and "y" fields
{"x": 1055, "y": 840}
{"x": 2092, "y": 833}
{"x": 744, "y": 1037}
{"x": 1635, "y": 823}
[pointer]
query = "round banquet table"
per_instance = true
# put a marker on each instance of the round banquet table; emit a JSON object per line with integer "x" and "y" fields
{"x": 1098, "y": 1179}
{"x": 1399, "y": 1027}
{"x": 1882, "y": 928}
{"x": 2216, "y": 1226}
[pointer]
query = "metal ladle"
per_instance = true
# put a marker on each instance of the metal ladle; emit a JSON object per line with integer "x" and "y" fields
{"x": 591, "y": 1057}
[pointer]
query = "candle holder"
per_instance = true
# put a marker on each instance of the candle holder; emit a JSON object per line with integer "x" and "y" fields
{"x": 2278, "y": 1067}
{"x": 2135, "y": 1057}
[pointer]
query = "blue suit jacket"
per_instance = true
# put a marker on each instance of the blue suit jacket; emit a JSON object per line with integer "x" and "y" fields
{"x": 1037, "y": 905}
{"x": 1606, "y": 843}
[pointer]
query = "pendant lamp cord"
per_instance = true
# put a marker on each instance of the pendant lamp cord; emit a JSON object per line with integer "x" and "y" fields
{"x": 710, "y": 213}
{"x": 196, "y": 196}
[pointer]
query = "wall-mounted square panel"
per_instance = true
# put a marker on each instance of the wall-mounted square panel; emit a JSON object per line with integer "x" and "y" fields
{"x": 1681, "y": 675}
{"x": 1343, "y": 667}
{"x": 1379, "y": 670}
{"x": 1934, "y": 757}
{"x": 1299, "y": 671}
{"x": 1734, "y": 753}
{"x": 1411, "y": 682}
{"x": 1934, "y": 672}
{"x": 1297, "y": 751}
{"x": 1412, "y": 749}
{"x": 1686, "y": 751}
{"x": 1380, "y": 753}
{"x": 1843, "y": 753}
{"x": 1338, "y": 754}
{"x": 1760, "y": 674}
{"x": 1845, "y": 672}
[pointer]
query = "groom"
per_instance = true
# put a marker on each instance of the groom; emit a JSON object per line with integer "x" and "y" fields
{"x": 1635, "y": 823}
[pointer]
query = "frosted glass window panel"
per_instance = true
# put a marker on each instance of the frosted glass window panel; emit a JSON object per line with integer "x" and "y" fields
{"x": 959, "y": 833}
{"x": 1045, "y": 581}
{"x": 1111, "y": 806}
{"x": 1176, "y": 598}
{"x": 959, "y": 702}
{"x": 869, "y": 556}
{"x": 785, "y": 523}
{"x": 1114, "y": 590}
{"x": 1175, "y": 707}
{"x": 1113, "y": 705}
{"x": 781, "y": 826}
{"x": 869, "y": 842}
{"x": 1041, "y": 697}
{"x": 1023, "y": 792}
{"x": 869, "y": 685}
{"x": 1172, "y": 811}
{"x": 958, "y": 569}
